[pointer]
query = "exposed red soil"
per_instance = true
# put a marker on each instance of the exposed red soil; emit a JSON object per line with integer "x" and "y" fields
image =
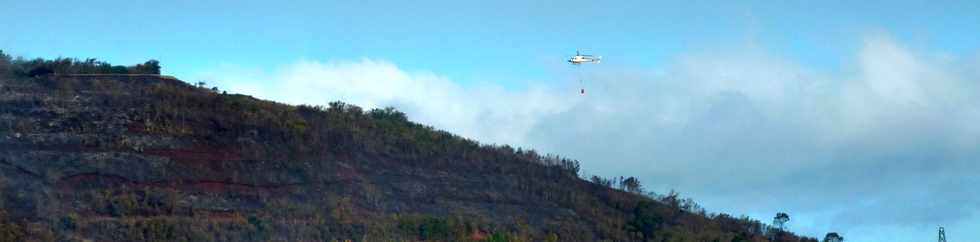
{"x": 70, "y": 182}
{"x": 196, "y": 154}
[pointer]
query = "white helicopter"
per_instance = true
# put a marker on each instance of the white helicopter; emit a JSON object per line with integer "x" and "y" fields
{"x": 578, "y": 59}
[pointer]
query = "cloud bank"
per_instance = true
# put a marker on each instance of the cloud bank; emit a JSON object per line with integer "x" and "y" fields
{"x": 484, "y": 111}
{"x": 888, "y": 145}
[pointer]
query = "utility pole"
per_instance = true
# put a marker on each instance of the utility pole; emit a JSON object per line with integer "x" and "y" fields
{"x": 942, "y": 234}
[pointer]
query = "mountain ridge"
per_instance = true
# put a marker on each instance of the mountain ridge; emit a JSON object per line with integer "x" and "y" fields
{"x": 144, "y": 157}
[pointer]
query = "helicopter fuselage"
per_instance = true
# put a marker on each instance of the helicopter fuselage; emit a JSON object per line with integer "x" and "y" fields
{"x": 579, "y": 59}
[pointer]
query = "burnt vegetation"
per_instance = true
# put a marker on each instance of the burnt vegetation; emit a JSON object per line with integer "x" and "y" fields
{"x": 144, "y": 158}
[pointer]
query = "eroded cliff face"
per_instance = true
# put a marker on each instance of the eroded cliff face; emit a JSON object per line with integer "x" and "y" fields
{"x": 146, "y": 158}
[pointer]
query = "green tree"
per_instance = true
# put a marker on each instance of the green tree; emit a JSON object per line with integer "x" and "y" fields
{"x": 833, "y": 237}
{"x": 645, "y": 219}
{"x": 388, "y": 113}
{"x": 4, "y": 63}
{"x": 9, "y": 232}
{"x": 551, "y": 238}
{"x": 632, "y": 184}
{"x": 149, "y": 67}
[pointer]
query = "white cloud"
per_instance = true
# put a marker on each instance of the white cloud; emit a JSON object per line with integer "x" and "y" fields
{"x": 891, "y": 146}
{"x": 488, "y": 112}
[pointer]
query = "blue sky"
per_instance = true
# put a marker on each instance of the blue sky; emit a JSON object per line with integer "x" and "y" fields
{"x": 467, "y": 41}
{"x": 855, "y": 117}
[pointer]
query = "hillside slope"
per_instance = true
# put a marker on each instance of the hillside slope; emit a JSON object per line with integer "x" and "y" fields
{"x": 145, "y": 158}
